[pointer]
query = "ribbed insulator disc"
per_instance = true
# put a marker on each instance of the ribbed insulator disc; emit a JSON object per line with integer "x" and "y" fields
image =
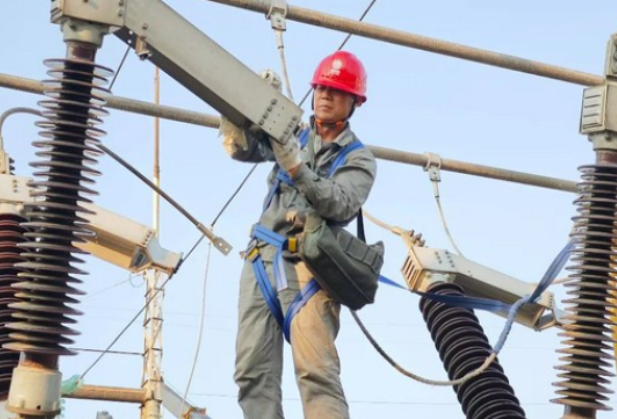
{"x": 463, "y": 347}
{"x": 11, "y": 233}
{"x": 588, "y": 341}
{"x": 66, "y": 151}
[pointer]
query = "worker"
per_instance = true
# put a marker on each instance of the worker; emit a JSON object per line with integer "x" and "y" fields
{"x": 339, "y": 87}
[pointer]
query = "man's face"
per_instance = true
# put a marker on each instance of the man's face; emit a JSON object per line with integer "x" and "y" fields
{"x": 332, "y": 105}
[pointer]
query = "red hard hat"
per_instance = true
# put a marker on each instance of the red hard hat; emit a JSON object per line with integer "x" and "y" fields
{"x": 343, "y": 71}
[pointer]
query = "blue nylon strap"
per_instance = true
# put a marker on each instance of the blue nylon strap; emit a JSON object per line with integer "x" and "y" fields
{"x": 343, "y": 155}
{"x": 553, "y": 270}
{"x": 284, "y": 177}
{"x": 280, "y": 279}
{"x": 269, "y": 236}
{"x": 493, "y": 305}
{"x": 549, "y": 276}
{"x": 266, "y": 289}
{"x": 298, "y": 302}
{"x": 278, "y": 241}
{"x": 467, "y": 302}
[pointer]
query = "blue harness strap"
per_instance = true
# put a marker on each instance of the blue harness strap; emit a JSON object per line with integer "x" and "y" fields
{"x": 283, "y": 176}
{"x": 281, "y": 243}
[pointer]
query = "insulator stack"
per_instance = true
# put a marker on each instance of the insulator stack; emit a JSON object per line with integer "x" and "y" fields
{"x": 11, "y": 233}
{"x": 463, "y": 347}
{"x": 67, "y": 150}
{"x": 588, "y": 330}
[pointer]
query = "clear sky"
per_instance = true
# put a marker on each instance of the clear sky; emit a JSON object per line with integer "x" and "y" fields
{"x": 417, "y": 101}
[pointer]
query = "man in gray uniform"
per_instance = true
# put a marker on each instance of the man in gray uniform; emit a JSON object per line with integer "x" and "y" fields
{"x": 339, "y": 85}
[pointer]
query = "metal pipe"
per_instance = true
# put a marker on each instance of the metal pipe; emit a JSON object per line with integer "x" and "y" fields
{"x": 212, "y": 121}
{"x": 406, "y": 39}
{"x": 122, "y": 103}
{"x": 475, "y": 169}
{"x": 112, "y": 394}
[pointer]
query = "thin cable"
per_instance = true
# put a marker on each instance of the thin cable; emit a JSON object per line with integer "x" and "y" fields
{"x": 192, "y": 249}
{"x": 109, "y": 352}
{"x": 126, "y": 53}
{"x": 162, "y": 193}
{"x": 199, "y": 336}
{"x": 219, "y": 242}
{"x": 433, "y": 166}
{"x": 113, "y": 342}
{"x": 147, "y": 181}
{"x": 131, "y": 277}
{"x": 364, "y": 401}
{"x": 246, "y": 178}
{"x": 229, "y": 201}
{"x": 248, "y": 175}
{"x": 117, "y": 284}
{"x": 13, "y": 111}
{"x": 487, "y": 362}
{"x": 443, "y": 221}
{"x": 281, "y": 47}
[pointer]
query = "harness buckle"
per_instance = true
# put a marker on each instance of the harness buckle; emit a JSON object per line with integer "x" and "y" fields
{"x": 292, "y": 245}
{"x": 253, "y": 254}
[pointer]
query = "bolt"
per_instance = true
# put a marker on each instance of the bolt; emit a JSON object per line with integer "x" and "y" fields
{"x": 294, "y": 118}
{"x": 261, "y": 122}
{"x": 265, "y": 116}
{"x": 120, "y": 13}
{"x": 121, "y": 3}
{"x": 144, "y": 26}
{"x": 270, "y": 108}
{"x": 273, "y": 101}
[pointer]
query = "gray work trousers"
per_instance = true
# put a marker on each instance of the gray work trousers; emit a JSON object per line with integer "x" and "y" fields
{"x": 259, "y": 349}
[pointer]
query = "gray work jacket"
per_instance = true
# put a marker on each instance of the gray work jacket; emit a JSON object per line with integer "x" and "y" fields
{"x": 336, "y": 199}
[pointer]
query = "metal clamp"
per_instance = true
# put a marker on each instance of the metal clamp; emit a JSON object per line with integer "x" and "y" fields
{"x": 277, "y": 14}
{"x": 433, "y": 165}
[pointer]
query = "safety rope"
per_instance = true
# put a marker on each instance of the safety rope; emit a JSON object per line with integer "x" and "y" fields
{"x": 200, "y": 333}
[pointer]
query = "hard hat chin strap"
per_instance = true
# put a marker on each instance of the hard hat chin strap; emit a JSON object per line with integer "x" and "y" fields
{"x": 337, "y": 124}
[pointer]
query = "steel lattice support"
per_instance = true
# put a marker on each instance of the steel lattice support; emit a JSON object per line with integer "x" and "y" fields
{"x": 153, "y": 345}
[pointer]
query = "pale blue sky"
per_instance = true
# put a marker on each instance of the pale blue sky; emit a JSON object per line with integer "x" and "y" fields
{"x": 418, "y": 102}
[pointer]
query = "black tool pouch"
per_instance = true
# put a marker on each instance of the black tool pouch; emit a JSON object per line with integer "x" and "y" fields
{"x": 345, "y": 266}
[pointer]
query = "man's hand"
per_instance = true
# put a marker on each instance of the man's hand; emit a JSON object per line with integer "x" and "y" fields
{"x": 287, "y": 155}
{"x": 233, "y": 137}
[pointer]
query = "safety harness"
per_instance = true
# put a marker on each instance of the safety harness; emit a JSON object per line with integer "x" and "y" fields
{"x": 282, "y": 243}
